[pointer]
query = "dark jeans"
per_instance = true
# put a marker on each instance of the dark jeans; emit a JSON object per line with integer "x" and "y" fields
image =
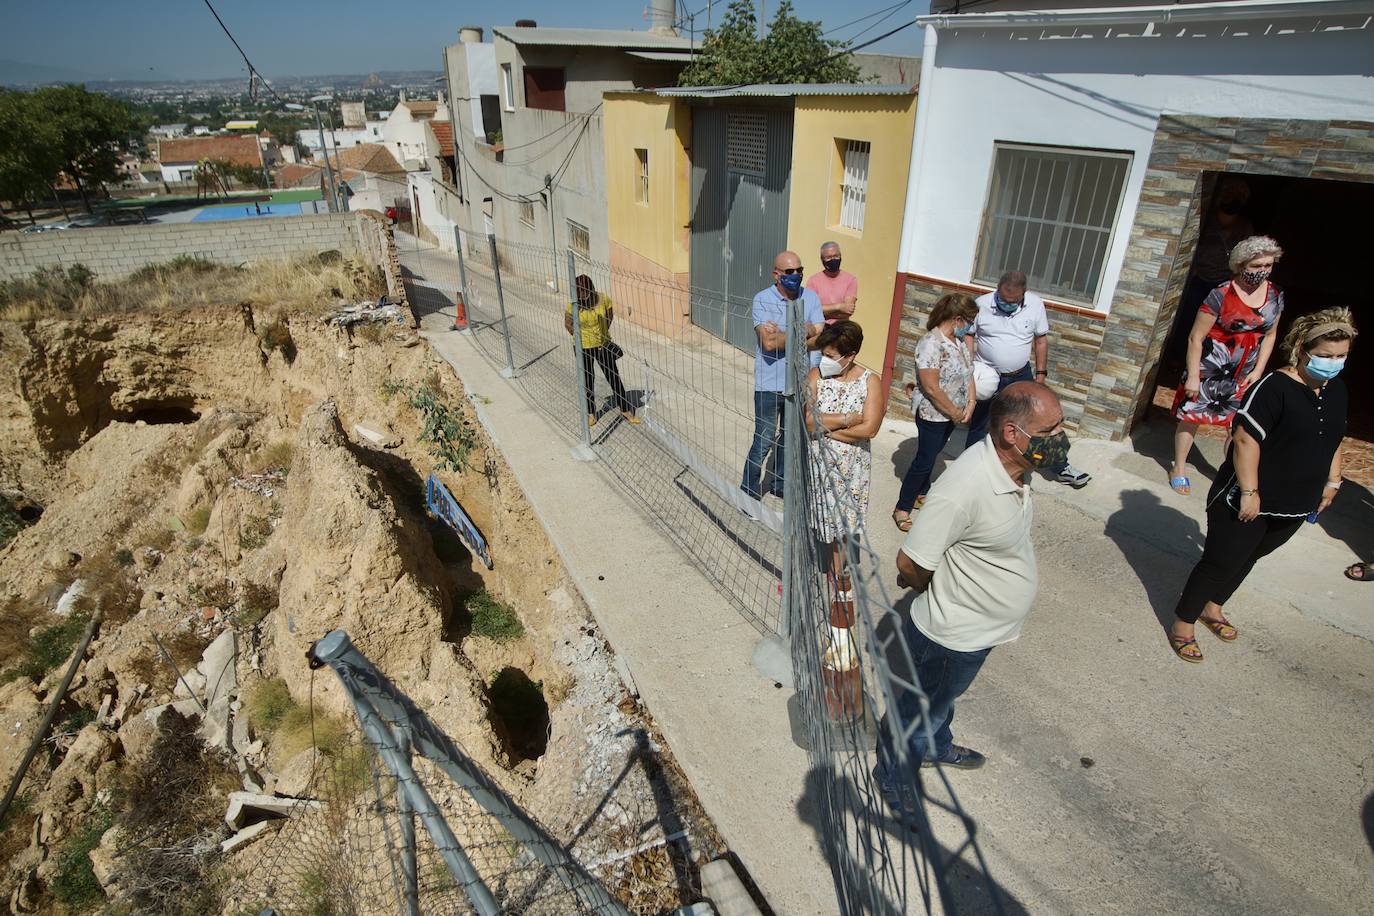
{"x": 944, "y": 674}
{"x": 931, "y": 436}
{"x": 978, "y": 423}
{"x": 601, "y": 356}
{"x": 1230, "y": 552}
{"x": 768, "y": 415}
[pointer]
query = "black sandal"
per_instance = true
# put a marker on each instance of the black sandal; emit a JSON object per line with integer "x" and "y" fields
{"x": 1365, "y": 572}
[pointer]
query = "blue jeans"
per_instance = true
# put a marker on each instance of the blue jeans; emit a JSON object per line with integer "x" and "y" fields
{"x": 768, "y": 416}
{"x": 944, "y": 674}
{"x": 978, "y": 423}
{"x": 931, "y": 436}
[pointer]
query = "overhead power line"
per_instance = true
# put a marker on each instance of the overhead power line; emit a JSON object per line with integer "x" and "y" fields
{"x": 253, "y": 72}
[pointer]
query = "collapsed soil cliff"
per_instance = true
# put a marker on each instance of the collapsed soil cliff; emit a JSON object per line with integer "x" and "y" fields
{"x": 234, "y": 470}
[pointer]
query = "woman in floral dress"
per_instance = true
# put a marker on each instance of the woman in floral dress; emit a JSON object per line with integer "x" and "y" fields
{"x": 846, "y": 400}
{"x": 1228, "y": 348}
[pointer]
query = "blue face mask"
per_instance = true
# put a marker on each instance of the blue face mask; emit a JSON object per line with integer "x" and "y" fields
{"x": 1003, "y": 306}
{"x": 1325, "y": 368}
{"x": 961, "y": 331}
{"x": 792, "y": 283}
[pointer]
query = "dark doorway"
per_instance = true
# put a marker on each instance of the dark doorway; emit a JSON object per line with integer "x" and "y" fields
{"x": 1321, "y": 227}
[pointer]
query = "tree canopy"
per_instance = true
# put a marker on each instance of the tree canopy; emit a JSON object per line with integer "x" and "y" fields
{"x": 793, "y": 51}
{"x": 56, "y": 131}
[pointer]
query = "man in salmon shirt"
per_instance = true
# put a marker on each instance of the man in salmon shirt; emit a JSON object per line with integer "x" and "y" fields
{"x": 838, "y": 289}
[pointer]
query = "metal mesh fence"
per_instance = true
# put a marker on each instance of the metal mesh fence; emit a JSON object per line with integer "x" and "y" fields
{"x": 694, "y": 394}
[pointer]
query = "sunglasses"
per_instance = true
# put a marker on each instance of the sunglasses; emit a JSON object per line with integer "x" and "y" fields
{"x": 791, "y": 270}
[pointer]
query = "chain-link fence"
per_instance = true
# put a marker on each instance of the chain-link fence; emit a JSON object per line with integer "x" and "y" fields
{"x": 800, "y": 566}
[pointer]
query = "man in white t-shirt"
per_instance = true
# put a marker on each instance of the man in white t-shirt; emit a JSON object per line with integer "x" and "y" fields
{"x": 969, "y": 559}
{"x": 1011, "y": 334}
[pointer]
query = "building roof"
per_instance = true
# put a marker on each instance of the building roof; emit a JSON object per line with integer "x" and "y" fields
{"x": 240, "y": 149}
{"x": 676, "y": 57}
{"x": 421, "y": 108}
{"x": 367, "y": 157}
{"x": 782, "y": 90}
{"x": 296, "y": 173}
{"x": 1193, "y": 12}
{"x": 443, "y": 132}
{"x": 625, "y": 39}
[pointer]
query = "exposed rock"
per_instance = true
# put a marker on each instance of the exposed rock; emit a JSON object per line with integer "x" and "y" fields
{"x": 75, "y": 776}
{"x": 294, "y": 778}
{"x": 221, "y": 684}
{"x": 358, "y": 561}
{"x": 190, "y": 684}
{"x": 103, "y": 857}
{"x": 138, "y": 734}
{"x": 67, "y": 603}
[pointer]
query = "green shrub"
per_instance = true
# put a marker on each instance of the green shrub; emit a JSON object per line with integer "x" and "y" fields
{"x": 255, "y": 603}
{"x": 447, "y": 432}
{"x": 124, "y": 557}
{"x": 52, "y": 287}
{"x": 78, "y": 720}
{"x": 292, "y": 727}
{"x": 197, "y": 520}
{"x": 74, "y": 883}
{"x": 181, "y": 264}
{"x": 255, "y": 532}
{"x": 52, "y": 646}
{"x": 491, "y": 618}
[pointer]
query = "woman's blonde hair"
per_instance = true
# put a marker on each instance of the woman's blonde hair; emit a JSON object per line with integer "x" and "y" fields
{"x": 1256, "y": 246}
{"x": 1307, "y": 331}
{"x": 952, "y": 305}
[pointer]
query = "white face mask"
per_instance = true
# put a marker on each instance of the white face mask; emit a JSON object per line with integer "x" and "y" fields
{"x": 831, "y": 367}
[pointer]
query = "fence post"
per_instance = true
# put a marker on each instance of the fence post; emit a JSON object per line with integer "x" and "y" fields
{"x": 772, "y": 656}
{"x": 582, "y": 451}
{"x": 509, "y": 371}
{"x": 409, "y": 876}
{"x": 463, "y": 283}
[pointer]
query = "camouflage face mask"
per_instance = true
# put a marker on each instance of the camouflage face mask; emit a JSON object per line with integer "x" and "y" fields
{"x": 1046, "y": 451}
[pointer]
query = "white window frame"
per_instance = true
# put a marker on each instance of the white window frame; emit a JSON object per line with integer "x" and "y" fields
{"x": 526, "y": 205}
{"x": 642, "y": 178}
{"x": 508, "y": 86}
{"x": 574, "y": 228}
{"x": 987, "y": 273}
{"x": 854, "y": 184}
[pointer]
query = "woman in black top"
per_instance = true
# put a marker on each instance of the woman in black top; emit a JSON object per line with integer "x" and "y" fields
{"x": 1284, "y": 464}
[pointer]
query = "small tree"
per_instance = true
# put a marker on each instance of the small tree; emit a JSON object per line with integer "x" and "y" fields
{"x": 27, "y": 167}
{"x": 90, "y": 130}
{"x": 794, "y": 51}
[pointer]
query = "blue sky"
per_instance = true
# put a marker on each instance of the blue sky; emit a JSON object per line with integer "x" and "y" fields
{"x": 180, "y": 39}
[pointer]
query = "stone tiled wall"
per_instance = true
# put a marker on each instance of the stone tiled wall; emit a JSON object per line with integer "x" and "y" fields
{"x": 1075, "y": 339}
{"x": 1165, "y": 232}
{"x": 1104, "y": 367}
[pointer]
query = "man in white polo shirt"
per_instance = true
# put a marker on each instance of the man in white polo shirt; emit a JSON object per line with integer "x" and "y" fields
{"x": 969, "y": 559}
{"x": 1010, "y": 333}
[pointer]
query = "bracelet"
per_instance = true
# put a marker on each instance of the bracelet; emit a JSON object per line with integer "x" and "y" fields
{"x": 1041, "y": 372}
{"x": 1333, "y": 484}
{"x": 1248, "y": 492}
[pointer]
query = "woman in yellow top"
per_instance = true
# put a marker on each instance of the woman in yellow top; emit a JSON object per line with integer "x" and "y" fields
{"x": 594, "y": 316}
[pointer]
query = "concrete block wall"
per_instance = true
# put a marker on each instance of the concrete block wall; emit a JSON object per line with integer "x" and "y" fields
{"x": 119, "y": 250}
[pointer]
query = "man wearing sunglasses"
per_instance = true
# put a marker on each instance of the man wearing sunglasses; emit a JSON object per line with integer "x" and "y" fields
{"x": 770, "y": 310}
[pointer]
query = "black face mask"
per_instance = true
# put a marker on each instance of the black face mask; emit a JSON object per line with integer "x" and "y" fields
{"x": 832, "y": 265}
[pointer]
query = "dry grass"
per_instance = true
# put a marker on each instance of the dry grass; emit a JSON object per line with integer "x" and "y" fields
{"x": 183, "y": 283}
{"x": 293, "y": 728}
{"x": 274, "y": 458}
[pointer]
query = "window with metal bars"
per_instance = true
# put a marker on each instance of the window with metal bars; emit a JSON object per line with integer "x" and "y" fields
{"x": 579, "y": 239}
{"x": 642, "y": 176}
{"x": 527, "y": 213}
{"x": 1050, "y": 214}
{"x": 854, "y": 184}
{"x": 508, "y": 87}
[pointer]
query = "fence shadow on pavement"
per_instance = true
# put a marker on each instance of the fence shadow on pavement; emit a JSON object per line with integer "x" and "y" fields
{"x": 1138, "y": 528}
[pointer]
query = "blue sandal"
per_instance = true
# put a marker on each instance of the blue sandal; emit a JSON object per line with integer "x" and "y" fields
{"x": 1181, "y": 485}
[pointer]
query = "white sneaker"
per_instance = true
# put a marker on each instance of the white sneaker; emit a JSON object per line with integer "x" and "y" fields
{"x": 1073, "y": 477}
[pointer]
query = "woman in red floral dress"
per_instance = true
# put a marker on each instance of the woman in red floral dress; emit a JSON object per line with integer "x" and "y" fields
{"x": 1228, "y": 347}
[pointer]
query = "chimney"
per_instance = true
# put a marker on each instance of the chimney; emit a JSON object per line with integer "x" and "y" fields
{"x": 661, "y": 17}
{"x": 526, "y": 24}
{"x": 470, "y": 35}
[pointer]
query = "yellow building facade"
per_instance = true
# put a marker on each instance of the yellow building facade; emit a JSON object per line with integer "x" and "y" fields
{"x": 648, "y": 140}
{"x": 824, "y": 128}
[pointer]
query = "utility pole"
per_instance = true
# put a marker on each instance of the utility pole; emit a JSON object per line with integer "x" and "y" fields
{"x": 328, "y": 169}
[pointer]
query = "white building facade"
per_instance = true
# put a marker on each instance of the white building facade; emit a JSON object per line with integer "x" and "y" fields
{"x": 1084, "y": 147}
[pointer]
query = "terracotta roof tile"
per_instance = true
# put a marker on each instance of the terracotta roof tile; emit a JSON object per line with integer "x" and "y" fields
{"x": 240, "y": 150}
{"x": 367, "y": 157}
{"x": 443, "y": 132}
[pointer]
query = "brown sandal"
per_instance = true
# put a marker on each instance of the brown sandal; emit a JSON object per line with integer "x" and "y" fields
{"x": 1221, "y": 628}
{"x": 903, "y": 524}
{"x": 1179, "y": 644}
